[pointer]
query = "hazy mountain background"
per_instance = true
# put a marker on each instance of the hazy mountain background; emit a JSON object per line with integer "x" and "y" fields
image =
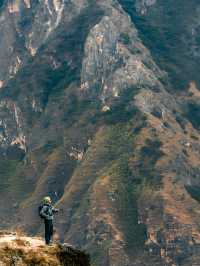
{"x": 100, "y": 109}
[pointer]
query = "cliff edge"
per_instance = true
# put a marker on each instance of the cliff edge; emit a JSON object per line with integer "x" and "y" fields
{"x": 20, "y": 250}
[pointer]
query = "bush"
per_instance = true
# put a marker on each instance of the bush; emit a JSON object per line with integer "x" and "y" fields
{"x": 194, "y": 192}
{"x": 124, "y": 37}
{"x": 128, "y": 194}
{"x": 149, "y": 155}
{"x": 193, "y": 114}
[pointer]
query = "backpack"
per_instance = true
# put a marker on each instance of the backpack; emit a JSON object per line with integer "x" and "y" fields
{"x": 39, "y": 211}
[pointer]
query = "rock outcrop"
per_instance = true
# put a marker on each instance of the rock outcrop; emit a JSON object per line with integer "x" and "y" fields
{"x": 21, "y": 250}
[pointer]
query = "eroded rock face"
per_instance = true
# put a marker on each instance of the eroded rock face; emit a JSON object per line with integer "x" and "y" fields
{"x": 91, "y": 117}
{"x": 12, "y": 135}
{"x": 25, "y": 26}
{"x": 175, "y": 49}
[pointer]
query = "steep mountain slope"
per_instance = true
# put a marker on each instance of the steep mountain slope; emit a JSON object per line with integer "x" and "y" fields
{"x": 106, "y": 126}
{"x": 171, "y": 32}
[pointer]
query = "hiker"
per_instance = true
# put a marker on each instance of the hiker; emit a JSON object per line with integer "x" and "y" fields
{"x": 46, "y": 212}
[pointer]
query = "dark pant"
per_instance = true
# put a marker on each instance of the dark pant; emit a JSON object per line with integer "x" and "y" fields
{"x": 48, "y": 230}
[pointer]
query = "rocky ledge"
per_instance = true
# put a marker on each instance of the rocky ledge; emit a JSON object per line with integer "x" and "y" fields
{"x": 20, "y": 250}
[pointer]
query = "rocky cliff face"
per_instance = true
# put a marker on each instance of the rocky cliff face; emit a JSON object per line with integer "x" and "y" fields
{"x": 99, "y": 108}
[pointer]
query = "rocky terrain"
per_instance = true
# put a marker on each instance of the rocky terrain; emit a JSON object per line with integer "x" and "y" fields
{"x": 100, "y": 109}
{"x": 20, "y": 250}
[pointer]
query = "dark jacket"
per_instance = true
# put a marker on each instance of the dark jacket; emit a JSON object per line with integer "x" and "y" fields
{"x": 47, "y": 211}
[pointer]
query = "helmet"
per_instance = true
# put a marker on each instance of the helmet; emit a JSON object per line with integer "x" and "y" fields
{"x": 47, "y": 199}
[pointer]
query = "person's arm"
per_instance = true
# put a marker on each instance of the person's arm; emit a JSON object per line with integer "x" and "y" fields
{"x": 55, "y": 210}
{"x": 43, "y": 212}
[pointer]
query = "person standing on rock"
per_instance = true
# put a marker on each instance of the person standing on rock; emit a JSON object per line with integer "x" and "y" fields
{"x": 46, "y": 212}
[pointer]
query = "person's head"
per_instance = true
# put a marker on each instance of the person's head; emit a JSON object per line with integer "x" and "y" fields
{"x": 47, "y": 200}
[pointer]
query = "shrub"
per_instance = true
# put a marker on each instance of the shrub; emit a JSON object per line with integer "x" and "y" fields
{"x": 193, "y": 114}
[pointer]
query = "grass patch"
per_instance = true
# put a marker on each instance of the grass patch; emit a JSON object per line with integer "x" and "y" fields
{"x": 157, "y": 31}
{"x": 149, "y": 155}
{"x": 122, "y": 109}
{"x": 8, "y": 169}
{"x": 193, "y": 114}
{"x": 123, "y": 186}
{"x": 128, "y": 193}
{"x": 124, "y": 37}
{"x": 194, "y": 192}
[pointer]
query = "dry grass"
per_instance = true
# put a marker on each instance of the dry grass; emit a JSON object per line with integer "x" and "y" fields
{"x": 22, "y": 251}
{"x": 19, "y": 231}
{"x": 23, "y": 257}
{"x": 21, "y": 242}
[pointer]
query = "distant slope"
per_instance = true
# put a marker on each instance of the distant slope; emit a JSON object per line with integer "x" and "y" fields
{"x": 170, "y": 30}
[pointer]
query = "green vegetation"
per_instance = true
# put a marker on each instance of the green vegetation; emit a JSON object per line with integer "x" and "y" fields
{"x": 75, "y": 108}
{"x": 181, "y": 120}
{"x": 113, "y": 139}
{"x": 120, "y": 141}
{"x": 123, "y": 186}
{"x": 12, "y": 179}
{"x": 119, "y": 114}
{"x": 122, "y": 109}
{"x": 130, "y": 180}
{"x": 194, "y": 192}
{"x": 42, "y": 79}
{"x": 192, "y": 113}
{"x": 151, "y": 151}
{"x": 157, "y": 112}
{"x": 100, "y": 253}
{"x": 109, "y": 154}
{"x": 128, "y": 193}
{"x": 7, "y": 171}
{"x": 170, "y": 46}
{"x": 148, "y": 157}
{"x": 124, "y": 37}
{"x": 126, "y": 185}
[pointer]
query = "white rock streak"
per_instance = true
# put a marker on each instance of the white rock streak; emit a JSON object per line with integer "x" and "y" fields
{"x": 1, "y": 84}
{"x": 20, "y": 139}
{"x": 14, "y": 68}
{"x": 58, "y": 9}
{"x": 27, "y": 3}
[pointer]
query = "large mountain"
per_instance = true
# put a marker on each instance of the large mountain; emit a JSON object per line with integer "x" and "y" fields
{"x": 100, "y": 109}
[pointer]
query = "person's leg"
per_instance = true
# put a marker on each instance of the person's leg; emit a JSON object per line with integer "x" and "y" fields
{"x": 51, "y": 230}
{"x": 47, "y": 231}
